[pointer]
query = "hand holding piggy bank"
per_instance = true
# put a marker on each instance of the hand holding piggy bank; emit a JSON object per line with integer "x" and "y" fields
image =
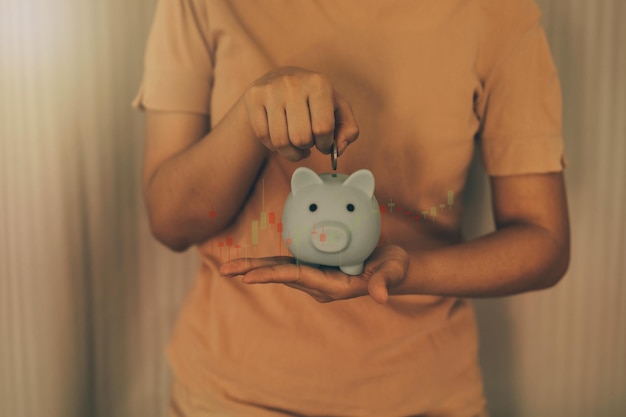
{"x": 332, "y": 219}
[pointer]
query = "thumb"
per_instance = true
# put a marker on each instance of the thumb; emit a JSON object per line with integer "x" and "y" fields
{"x": 346, "y": 128}
{"x": 377, "y": 288}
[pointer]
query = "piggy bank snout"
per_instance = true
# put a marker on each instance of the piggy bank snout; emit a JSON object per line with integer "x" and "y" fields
{"x": 330, "y": 237}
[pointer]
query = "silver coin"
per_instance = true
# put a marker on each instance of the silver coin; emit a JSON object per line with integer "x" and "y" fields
{"x": 333, "y": 157}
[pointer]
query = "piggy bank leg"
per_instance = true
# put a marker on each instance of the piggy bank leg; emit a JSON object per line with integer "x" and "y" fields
{"x": 352, "y": 269}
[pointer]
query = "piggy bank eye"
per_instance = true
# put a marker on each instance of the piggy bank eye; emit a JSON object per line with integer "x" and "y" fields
{"x": 313, "y": 207}
{"x": 350, "y": 207}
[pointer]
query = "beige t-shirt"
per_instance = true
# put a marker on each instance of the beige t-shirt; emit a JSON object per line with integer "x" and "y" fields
{"x": 425, "y": 80}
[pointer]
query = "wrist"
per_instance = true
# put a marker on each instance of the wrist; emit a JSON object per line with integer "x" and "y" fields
{"x": 414, "y": 282}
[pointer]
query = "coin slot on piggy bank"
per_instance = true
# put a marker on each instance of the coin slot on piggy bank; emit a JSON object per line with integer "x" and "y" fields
{"x": 332, "y": 219}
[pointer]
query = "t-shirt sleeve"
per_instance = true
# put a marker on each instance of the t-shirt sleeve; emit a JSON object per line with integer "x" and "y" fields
{"x": 520, "y": 106}
{"x": 178, "y": 61}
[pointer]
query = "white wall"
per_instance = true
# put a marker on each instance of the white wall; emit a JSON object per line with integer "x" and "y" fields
{"x": 87, "y": 298}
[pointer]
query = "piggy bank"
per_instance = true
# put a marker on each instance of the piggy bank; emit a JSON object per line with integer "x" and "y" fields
{"x": 332, "y": 219}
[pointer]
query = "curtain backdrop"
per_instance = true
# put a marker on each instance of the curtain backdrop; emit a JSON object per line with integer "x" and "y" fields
{"x": 88, "y": 298}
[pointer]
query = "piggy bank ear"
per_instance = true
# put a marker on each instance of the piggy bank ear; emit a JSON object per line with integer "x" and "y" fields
{"x": 303, "y": 177}
{"x": 363, "y": 179}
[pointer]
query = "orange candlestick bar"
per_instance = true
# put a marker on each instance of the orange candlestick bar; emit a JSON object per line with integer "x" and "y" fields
{"x": 272, "y": 219}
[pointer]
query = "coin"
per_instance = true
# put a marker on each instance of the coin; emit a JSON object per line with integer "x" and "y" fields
{"x": 333, "y": 157}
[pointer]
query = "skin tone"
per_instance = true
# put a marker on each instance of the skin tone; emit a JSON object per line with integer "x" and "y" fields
{"x": 290, "y": 111}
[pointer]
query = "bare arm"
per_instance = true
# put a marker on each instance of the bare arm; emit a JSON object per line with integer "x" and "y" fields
{"x": 528, "y": 251}
{"x": 190, "y": 171}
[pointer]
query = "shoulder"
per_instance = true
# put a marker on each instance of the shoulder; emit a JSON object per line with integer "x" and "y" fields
{"x": 503, "y": 24}
{"x": 511, "y": 9}
{"x": 504, "y": 20}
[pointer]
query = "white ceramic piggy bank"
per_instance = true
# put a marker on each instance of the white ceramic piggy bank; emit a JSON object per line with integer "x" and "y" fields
{"x": 332, "y": 219}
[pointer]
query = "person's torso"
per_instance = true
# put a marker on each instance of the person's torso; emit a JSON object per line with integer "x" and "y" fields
{"x": 407, "y": 69}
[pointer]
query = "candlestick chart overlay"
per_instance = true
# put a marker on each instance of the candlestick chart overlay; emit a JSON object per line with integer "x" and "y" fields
{"x": 269, "y": 223}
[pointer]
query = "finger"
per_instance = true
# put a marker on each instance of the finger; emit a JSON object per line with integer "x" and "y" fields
{"x": 323, "y": 285}
{"x": 241, "y": 266}
{"x": 321, "y": 110}
{"x": 279, "y": 134}
{"x": 259, "y": 123}
{"x": 377, "y": 287}
{"x": 346, "y": 128}
{"x": 280, "y": 272}
{"x": 299, "y": 125}
{"x": 387, "y": 273}
{"x": 316, "y": 294}
{"x": 277, "y": 124}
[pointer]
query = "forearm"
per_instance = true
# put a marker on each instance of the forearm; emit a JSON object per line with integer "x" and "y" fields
{"x": 514, "y": 259}
{"x": 213, "y": 175}
{"x": 194, "y": 187}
